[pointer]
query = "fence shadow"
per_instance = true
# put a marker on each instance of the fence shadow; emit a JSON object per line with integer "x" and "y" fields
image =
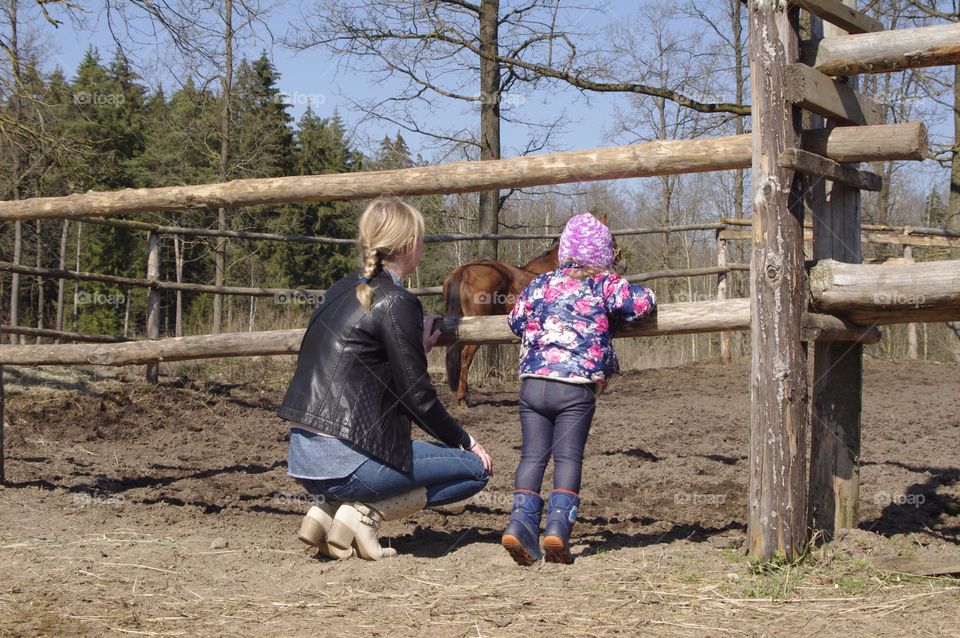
{"x": 921, "y": 508}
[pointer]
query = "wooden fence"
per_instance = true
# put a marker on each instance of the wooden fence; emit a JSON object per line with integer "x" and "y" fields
{"x": 784, "y": 501}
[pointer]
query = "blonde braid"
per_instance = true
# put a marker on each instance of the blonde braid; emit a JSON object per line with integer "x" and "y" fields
{"x": 370, "y": 264}
{"x": 386, "y": 228}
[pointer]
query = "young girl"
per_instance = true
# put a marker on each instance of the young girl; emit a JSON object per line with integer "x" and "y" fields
{"x": 564, "y": 320}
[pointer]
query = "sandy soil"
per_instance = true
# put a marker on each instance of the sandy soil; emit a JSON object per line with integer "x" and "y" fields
{"x": 144, "y": 511}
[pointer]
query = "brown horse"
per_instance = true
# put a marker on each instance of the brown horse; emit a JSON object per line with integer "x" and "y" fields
{"x": 489, "y": 287}
{"x": 481, "y": 288}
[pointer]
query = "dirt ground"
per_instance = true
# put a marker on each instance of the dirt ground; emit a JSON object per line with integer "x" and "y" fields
{"x": 161, "y": 512}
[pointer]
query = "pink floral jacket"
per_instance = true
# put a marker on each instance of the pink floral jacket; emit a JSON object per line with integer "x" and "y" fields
{"x": 565, "y": 323}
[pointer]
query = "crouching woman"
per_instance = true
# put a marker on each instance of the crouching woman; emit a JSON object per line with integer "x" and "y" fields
{"x": 361, "y": 380}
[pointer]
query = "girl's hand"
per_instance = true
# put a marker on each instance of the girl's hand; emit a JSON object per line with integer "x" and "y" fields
{"x": 484, "y": 457}
{"x": 431, "y": 331}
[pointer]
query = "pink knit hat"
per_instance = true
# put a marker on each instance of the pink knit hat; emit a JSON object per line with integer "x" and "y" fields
{"x": 586, "y": 241}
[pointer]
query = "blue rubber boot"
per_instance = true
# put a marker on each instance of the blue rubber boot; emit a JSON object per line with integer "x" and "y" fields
{"x": 522, "y": 536}
{"x": 561, "y": 513}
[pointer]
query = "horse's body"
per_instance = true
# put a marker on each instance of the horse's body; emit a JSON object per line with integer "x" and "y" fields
{"x": 481, "y": 288}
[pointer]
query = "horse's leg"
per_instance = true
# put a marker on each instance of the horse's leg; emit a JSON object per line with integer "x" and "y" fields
{"x": 466, "y": 358}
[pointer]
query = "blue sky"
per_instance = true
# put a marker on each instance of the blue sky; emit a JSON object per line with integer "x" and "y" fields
{"x": 313, "y": 76}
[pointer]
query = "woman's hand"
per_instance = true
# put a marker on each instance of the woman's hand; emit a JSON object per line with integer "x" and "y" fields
{"x": 477, "y": 449}
{"x": 431, "y": 331}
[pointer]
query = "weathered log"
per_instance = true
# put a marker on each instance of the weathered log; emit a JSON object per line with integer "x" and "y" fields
{"x": 856, "y": 144}
{"x": 837, "y": 13}
{"x": 818, "y": 166}
{"x": 887, "y": 293}
{"x": 681, "y": 318}
{"x": 897, "y": 50}
{"x": 779, "y": 414}
{"x": 899, "y": 141}
{"x": 818, "y": 93}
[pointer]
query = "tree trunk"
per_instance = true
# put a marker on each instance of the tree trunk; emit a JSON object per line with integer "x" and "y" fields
{"x": 178, "y": 266}
{"x": 76, "y": 287}
{"x": 489, "y": 215}
{"x": 41, "y": 302}
{"x": 953, "y": 219}
{"x": 226, "y": 88}
{"x": 62, "y": 283}
{"x": 14, "y": 55}
{"x": 153, "y": 302}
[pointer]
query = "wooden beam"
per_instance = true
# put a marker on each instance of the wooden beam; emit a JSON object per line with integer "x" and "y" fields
{"x": 900, "y": 141}
{"x": 680, "y": 318}
{"x": 818, "y": 93}
{"x": 857, "y": 144}
{"x": 779, "y": 416}
{"x": 845, "y": 17}
{"x": 887, "y": 293}
{"x": 819, "y": 166}
{"x": 897, "y": 50}
{"x": 837, "y": 397}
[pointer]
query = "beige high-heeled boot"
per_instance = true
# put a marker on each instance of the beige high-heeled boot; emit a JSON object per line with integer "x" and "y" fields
{"x": 358, "y": 524}
{"x": 315, "y": 526}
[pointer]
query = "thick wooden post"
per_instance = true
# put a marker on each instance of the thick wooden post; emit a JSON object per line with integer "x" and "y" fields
{"x": 153, "y": 301}
{"x": 722, "y": 293}
{"x": 778, "y": 385}
{"x": 837, "y": 368}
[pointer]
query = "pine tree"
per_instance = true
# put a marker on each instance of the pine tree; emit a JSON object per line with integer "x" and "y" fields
{"x": 321, "y": 147}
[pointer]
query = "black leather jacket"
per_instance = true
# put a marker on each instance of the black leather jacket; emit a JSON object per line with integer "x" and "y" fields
{"x": 362, "y": 376}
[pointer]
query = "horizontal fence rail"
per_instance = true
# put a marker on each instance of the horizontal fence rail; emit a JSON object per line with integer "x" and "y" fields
{"x": 670, "y": 157}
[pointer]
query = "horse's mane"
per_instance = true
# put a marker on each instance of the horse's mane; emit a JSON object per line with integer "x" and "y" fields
{"x": 546, "y": 252}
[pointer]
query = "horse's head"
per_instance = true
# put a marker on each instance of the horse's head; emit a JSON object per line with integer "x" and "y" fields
{"x": 619, "y": 261}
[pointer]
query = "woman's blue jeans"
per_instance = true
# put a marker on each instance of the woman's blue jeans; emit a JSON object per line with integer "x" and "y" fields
{"x": 555, "y": 419}
{"x": 449, "y": 474}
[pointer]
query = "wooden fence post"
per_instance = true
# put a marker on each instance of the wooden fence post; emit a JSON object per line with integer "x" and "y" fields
{"x": 834, "y": 492}
{"x": 913, "y": 350}
{"x": 3, "y": 451}
{"x": 722, "y": 294}
{"x": 153, "y": 301}
{"x": 779, "y": 417}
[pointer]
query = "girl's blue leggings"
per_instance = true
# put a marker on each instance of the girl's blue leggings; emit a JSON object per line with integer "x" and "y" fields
{"x": 555, "y": 419}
